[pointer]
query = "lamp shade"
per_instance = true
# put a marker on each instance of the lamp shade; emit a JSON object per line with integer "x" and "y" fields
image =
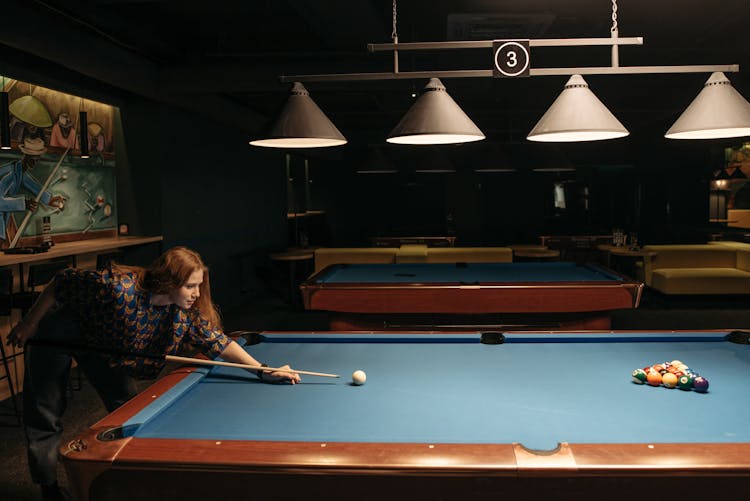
{"x": 435, "y": 118}
{"x": 83, "y": 125}
{"x": 301, "y": 124}
{"x": 4, "y": 121}
{"x": 577, "y": 115}
{"x": 718, "y": 111}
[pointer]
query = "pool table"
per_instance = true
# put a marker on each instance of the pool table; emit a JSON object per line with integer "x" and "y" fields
{"x": 544, "y": 295}
{"x": 443, "y": 415}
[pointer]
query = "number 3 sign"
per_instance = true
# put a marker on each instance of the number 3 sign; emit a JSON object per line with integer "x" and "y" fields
{"x": 510, "y": 58}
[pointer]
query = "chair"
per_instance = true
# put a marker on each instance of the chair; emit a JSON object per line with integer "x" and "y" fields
{"x": 6, "y": 308}
{"x": 38, "y": 276}
{"x": 104, "y": 260}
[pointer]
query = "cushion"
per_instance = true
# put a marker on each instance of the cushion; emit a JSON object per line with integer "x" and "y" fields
{"x": 326, "y": 256}
{"x": 412, "y": 253}
{"x": 731, "y": 243}
{"x": 470, "y": 255}
{"x": 692, "y": 256}
{"x": 701, "y": 281}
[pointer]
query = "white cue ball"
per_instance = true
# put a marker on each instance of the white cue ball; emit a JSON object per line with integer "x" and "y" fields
{"x": 359, "y": 377}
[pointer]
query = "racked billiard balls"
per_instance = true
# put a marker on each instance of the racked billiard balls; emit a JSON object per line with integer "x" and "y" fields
{"x": 669, "y": 380}
{"x": 700, "y": 384}
{"x": 639, "y": 376}
{"x": 685, "y": 382}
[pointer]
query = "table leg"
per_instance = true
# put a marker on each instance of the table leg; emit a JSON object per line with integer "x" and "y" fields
{"x": 293, "y": 299}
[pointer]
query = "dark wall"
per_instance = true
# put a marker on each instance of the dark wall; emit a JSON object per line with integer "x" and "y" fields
{"x": 659, "y": 190}
{"x": 200, "y": 184}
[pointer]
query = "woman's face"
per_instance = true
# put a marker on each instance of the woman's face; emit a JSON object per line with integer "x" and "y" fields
{"x": 185, "y": 296}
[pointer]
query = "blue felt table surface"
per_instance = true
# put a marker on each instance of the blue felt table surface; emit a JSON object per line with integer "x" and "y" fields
{"x": 465, "y": 273}
{"x": 452, "y": 389}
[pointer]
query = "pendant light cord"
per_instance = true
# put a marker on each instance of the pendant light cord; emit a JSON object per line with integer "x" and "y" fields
{"x": 394, "y": 32}
{"x": 394, "y": 37}
{"x": 615, "y": 33}
{"x": 614, "y": 16}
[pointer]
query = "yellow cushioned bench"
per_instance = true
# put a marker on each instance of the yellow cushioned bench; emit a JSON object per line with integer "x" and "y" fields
{"x": 732, "y": 244}
{"x": 697, "y": 269}
{"x": 326, "y": 256}
{"x": 456, "y": 255}
{"x": 410, "y": 253}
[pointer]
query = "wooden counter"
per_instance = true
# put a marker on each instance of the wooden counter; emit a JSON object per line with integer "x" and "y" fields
{"x": 78, "y": 247}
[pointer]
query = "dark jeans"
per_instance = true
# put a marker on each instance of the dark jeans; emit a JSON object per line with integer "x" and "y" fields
{"x": 45, "y": 384}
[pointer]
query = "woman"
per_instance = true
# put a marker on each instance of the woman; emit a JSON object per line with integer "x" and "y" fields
{"x": 121, "y": 311}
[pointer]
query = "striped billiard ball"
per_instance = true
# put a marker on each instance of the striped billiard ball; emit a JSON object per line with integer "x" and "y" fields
{"x": 639, "y": 376}
{"x": 685, "y": 382}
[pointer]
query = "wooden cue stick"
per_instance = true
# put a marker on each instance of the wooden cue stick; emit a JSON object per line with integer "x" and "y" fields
{"x": 38, "y": 197}
{"x": 200, "y": 361}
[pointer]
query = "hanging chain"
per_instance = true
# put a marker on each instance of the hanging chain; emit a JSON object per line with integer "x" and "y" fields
{"x": 614, "y": 16}
{"x": 394, "y": 33}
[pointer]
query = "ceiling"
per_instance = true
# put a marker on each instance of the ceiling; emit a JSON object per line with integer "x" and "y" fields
{"x": 223, "y": 58}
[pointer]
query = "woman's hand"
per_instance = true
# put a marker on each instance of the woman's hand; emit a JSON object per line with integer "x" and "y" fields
{"x": 237, "y": 354}
{"x": 281, "y": 377}
{"x": 22, "y": 332}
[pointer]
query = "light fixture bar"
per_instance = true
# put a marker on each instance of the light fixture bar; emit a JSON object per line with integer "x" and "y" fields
{"x": 614, "y": 69}
{"x": 407, "y": 75}
{"x": 487, "y": 44}
{"x": 633, "y": 70}
{"x": 594, "y": 70}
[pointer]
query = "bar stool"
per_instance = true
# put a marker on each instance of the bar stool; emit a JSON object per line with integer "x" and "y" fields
{"x": 6, "y": 308}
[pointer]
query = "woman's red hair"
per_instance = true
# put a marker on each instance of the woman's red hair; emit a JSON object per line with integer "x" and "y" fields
{"x": 172, "y": 270}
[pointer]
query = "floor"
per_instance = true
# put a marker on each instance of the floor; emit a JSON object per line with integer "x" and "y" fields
{"x": 274, "y": 313}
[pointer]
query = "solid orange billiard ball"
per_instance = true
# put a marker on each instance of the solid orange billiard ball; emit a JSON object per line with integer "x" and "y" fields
{"x": 653, "y": 378}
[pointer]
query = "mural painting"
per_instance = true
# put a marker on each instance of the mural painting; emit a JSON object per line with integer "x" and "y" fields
{"x": 48, "y": 192}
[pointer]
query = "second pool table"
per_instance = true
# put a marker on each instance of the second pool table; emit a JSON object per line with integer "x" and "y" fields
{"x": 551, "y": 295}
{"x": 441, "y": 416}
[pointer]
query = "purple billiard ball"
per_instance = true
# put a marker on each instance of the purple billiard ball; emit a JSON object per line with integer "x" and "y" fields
{"x": 700, "y": 384}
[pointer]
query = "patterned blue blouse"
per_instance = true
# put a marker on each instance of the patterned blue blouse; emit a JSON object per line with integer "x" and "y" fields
{"x": 116, "y": 314}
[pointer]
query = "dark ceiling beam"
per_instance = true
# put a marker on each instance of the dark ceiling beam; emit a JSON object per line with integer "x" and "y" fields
{"x": 255, "y": 77}
{"x": 338, "y": 22}
{"x": 57, "y": 38}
